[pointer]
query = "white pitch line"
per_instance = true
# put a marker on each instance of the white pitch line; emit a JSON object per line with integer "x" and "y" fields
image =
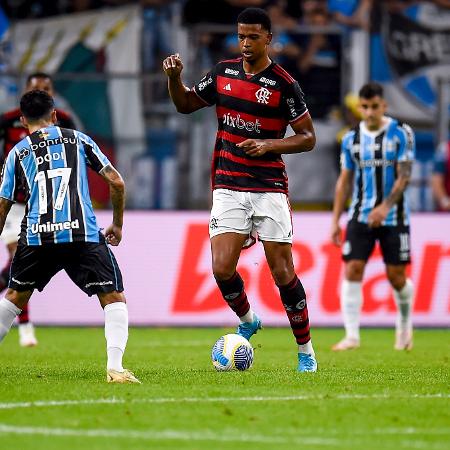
{"x": 113, "y": 400}
{"x": 204, "y": 435}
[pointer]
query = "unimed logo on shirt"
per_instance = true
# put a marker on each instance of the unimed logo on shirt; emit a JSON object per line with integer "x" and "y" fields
{"x": 49, "y": 227}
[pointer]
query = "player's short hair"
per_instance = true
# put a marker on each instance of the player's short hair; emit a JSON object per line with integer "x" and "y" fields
{"x": 255, "y": 16}
{"x": 371, "y": 90}
{"x": 39, "y": 75}
{"x": 36, "y": 105}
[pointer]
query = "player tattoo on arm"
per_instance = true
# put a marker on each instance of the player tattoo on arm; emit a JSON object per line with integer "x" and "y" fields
{"x": 117, "y": 191}
{"x": 401, "y": 183}
{"x": 5, "y": 206}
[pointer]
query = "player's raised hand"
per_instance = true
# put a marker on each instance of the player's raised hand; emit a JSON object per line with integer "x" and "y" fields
{"x": 336, "y": 234}
{"x": 113, "y": 235}
{"x": 254, "y": 147}
{"x": 173, "y": 66}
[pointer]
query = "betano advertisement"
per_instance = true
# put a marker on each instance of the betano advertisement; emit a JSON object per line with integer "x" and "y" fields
{"x": 165, "y": 261}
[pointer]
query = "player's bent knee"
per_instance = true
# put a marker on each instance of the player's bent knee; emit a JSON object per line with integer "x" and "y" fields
{"x": 107, "y": 298}
{"x": 354, "y": 270}
{"x": 397, "y": 281}
{"x": 282, "y": 274}
{"x": 223, "y": 272}
{"x": 20, "y": 299}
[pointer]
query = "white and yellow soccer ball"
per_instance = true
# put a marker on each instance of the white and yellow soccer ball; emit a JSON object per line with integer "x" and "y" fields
{"x": 232, "y": 352}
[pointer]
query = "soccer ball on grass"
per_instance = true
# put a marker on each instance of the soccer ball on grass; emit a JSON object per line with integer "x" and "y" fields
{"x": 232, "y": 352}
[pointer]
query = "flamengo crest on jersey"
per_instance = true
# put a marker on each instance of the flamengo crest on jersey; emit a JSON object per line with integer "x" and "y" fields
{"x": 373, "y": 156}
{"x": 260, "y": 107}
{"x": 50, "y": 166}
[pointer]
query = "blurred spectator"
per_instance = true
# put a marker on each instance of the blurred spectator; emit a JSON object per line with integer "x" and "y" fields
{"x": 278, "y": 11}
{"x": 157, "y": 34}
{"x": 223, "y": 11}
{"x": 350, "y": 117}
{"x": 351, "y": 13}
{"x": 440, "y": 179}
{"x": 29, "y": 9}
{"x": 318, "y": 65}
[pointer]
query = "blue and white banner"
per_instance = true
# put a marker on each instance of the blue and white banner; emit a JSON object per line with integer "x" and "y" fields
{"x": 409, "y": 56}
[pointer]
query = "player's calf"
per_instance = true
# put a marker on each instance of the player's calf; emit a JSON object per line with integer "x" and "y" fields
{"x": 293, "y": 297}
{"x": 8, "y": 312}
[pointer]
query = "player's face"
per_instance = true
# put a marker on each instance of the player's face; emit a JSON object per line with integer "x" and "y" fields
{"x": 253, "y": 41}
{"x": 43, "y": 84}
{"x": 372, "y": 111}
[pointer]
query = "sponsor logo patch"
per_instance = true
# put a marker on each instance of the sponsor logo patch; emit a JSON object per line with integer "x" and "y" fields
{"x": 267, "y": 81}
{"x": 231, "y": 71}
{"x": 205, "y": 83}
{"x": 49, "y": 227}
{"x": 237, "y": 122}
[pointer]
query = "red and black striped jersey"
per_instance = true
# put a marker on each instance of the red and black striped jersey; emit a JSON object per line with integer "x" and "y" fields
{"x": 260, "y": 106}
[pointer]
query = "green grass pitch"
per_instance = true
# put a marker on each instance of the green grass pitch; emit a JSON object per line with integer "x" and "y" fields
{"x": 55, "y": 396}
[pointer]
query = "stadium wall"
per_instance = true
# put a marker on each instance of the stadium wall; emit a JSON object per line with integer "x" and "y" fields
{"x": 165, "y": 260}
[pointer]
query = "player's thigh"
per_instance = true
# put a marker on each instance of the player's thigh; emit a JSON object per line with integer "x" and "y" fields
{"x": 33, "y": 266}
{"x": 225, "y": 250}
{"x": 230, "y": 213}
{"x": 11, "y": 229}
{"x": 395, "y": 244}
{"x": 359, "y": 241}
{"x": 272, "y": 217}
{"x": 93, "y": 267}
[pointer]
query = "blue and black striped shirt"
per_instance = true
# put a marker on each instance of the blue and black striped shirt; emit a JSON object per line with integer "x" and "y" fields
{"x": 373, "y": 156}
{"x": 51, "y": 166}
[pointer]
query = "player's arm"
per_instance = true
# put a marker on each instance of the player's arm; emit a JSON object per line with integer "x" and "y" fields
{"x": 404, "y": 168}
{"x": 379, "y": 213}
{"x": 5, "y": 206}
{"x": 303, "y": 140}
{"x": 184, "y": 99}
{"x": 341, "y": 195}
{"x": 116, "y": 184}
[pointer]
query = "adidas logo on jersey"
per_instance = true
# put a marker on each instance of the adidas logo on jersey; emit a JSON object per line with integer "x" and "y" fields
{"x": 227, "y": 87}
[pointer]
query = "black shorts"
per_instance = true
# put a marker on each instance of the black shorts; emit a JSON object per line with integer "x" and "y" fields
{"x": 90, "y": 265}
{"x": 360, "y": 241}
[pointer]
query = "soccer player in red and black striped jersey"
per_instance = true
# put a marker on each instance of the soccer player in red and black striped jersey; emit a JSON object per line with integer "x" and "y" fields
{"x": 255, "y": 101}
{"x": 11, "y": 132}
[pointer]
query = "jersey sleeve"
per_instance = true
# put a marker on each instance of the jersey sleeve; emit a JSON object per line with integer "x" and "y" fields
{"x": 347, "y": 162}
{"x": 206, "y": 88}
{"x": 407, "y": 144}
{"x": 8, "y": 183}
{"x": 293, "y": 104}
{"x": 95, "y": 158}
{"x": 440, "y": 159}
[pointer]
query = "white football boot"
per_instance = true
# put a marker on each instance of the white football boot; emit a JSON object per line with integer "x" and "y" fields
{"x": 27, "y": 337}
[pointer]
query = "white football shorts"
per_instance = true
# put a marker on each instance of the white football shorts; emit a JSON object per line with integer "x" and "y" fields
{"x": 268, "y": 214}
{"x": 11, "y": 230}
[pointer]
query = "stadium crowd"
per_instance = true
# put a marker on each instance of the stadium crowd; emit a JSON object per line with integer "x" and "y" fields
{"x": 314, "y": 57}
